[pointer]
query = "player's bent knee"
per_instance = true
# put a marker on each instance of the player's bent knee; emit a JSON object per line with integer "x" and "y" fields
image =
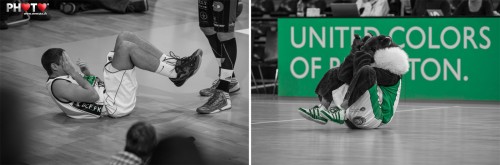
{"x": 124, "y": 47}
{"x": 224, "y": 36}
{"x": 125, "y": 35}
{"x": 208, "y": 30}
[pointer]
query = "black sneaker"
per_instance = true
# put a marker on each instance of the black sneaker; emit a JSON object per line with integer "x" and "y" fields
{"x": 234, "y": 86}
{"x": 220, "y": 101}
{"x": 68, "y": 8}
{"x": 138, "y": 6}
{"x": 185, "y": 66}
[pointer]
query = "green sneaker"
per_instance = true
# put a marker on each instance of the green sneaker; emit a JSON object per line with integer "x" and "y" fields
{"x": 313, "y": 114}
{"x": 333, "y": 113}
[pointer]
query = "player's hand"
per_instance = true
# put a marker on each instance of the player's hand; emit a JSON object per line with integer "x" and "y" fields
{"x": 67, "y": 65}
{"x": 83, "y": 67}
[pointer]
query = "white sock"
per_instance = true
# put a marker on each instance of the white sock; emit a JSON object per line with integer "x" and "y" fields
{"x": 167, "y": 66}
{"x": 226, "y": 74}
{"x": 220, "y": 61}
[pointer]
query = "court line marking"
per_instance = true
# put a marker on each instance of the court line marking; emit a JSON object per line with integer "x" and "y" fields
{"x": 262, "y": 102}
{"x": 419, "y": 109}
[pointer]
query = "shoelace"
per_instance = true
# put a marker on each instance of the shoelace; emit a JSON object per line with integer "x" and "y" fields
{"x": 176, "y": 58}
{"x": 335, "y": 113}
{"x": 172, "y": 56}
{"x": 212, "y": 99}
{"x": 215, "y": 84}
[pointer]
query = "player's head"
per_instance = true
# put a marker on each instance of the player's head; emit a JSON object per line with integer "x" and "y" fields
{"x": 141, "y": 139}
{"x": 51, "y": 60}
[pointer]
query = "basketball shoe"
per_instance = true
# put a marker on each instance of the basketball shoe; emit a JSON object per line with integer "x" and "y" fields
{"x": 219, "y": 101}
{"x": 234, "y": 86}
{"x": 334, "y": 113}
{"x": 185, "y": 66}
{"x": 313, "y": 114}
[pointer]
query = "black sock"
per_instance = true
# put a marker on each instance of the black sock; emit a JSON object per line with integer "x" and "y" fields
{"x": 228, "y": 52}
{"x": 215, "y": 44}
{"x": 223, "y": 85}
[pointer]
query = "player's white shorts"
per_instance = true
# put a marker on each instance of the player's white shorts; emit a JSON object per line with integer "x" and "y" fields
{"x": 121, "y": 89}
{"x": 374, "y": 108}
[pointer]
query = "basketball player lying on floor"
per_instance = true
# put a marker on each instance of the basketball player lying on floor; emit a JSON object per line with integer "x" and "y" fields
{"x": 84, "y": 96}
{"x": 365, "y": 88}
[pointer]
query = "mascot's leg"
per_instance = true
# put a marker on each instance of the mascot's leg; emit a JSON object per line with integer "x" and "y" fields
{"x": 328, "y": 83}
{"x": 363, "y": 79}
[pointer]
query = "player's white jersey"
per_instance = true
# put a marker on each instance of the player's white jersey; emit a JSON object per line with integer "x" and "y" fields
{"x": 79, "y": 110}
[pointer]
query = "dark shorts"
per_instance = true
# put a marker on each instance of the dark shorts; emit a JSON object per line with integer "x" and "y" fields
{"x": 220, "y": 14}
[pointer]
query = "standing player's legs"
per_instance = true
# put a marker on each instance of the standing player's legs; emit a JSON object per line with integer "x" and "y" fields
{"x": 215, "y": 38}
{"x": 224, "y": 18}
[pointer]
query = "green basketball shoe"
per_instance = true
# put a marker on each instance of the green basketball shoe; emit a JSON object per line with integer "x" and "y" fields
{"x": 313, "y": 114}
{"x": 334, "y": 113}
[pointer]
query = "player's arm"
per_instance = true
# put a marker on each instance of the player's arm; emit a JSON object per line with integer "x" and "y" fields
{"x": 83, "y": 92}
{"x": 84, "y": 68}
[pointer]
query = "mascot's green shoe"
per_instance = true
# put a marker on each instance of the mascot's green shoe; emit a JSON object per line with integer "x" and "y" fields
{"x": 334, "y": 113}
{"x": 313, "y": 114}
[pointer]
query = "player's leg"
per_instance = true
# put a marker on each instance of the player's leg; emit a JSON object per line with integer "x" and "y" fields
{"x": 128, "y": 55}
{"x": 363, "y": 80}
{"x": 224, "y": 12}
{"x": 206, "y": 23}
{"x": 143, "y": 44}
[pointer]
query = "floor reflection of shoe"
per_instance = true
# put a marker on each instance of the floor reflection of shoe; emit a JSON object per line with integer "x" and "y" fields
{"x": 219, "y": 101}
{"x": 185, "y": 67}
{"x": 234, "y": 86}
{"x": 313, "y": 114}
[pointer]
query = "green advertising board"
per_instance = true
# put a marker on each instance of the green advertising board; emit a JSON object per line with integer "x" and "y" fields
{"x": 450, "y": 58}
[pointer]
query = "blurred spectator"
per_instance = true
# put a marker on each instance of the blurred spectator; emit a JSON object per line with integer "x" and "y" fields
{"x": 343, "y": 1}
{"x": 177, "y": 149}
{"x": 497, "y": 12}
{"x": 289, "y": 6}
{"x": 141, "y": 140}
{"x": 396, "y": 7}
{"x": 3, "y": 15}
{"x": 14, "y": 126}
{"x": 264, "y": 6}
{"x": 474, "y": 8}
{"x": 374, "y": 8}
{"x": 421, "y": 6}
{"x": 320, "y": 4}
{"x": 117, "y": 6}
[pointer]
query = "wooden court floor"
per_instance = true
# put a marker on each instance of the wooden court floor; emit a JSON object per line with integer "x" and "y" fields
{"x": 57, "y": 139}
{"x": 421, "y": 133}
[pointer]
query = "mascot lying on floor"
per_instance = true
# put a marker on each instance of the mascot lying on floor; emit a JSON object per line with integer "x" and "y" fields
{"x": 365, "y": 88}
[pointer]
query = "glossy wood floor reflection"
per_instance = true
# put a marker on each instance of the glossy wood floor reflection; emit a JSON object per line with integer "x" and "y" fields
{"x": 421, "y": 133}
{"x": 57, "y": 139}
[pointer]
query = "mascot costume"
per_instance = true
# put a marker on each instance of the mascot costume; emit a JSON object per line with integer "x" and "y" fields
{"x": 365, "y": 88}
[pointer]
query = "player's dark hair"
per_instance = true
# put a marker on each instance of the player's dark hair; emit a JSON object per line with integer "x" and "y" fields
{"x": 52, "y": 55}
{"x": 141, "y": 139}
